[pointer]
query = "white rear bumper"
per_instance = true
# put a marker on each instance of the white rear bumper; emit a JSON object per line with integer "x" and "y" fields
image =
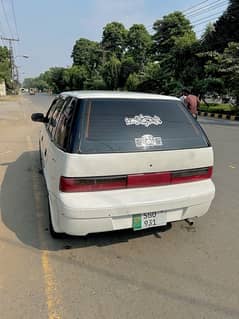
{"x": 90, "y": 212}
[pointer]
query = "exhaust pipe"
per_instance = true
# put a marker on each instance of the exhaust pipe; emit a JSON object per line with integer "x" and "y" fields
{"x": 189, "y": 221}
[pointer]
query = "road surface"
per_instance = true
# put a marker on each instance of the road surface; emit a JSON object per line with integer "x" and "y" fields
{"x": 178, "y": 272}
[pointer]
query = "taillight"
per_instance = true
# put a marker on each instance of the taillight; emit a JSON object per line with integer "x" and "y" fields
{"x": 91, "y": 184}
{"x": 149, "y": 179}
{"x": 191, "y": 175}
{"x": 72, "y": 184}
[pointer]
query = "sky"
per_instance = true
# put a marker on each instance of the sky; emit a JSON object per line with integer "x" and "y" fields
{"x": 48, "y": 29}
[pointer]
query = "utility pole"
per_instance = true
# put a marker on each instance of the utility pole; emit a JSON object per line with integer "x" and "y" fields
{"x": 14, "y": 71}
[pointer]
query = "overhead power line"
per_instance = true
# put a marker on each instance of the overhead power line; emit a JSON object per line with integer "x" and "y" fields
{"x": 203, "y": 22}
{"x": 207, "y": 17}
{"x": 14, "y": 18}
{"x": 204, "y": 7}
{"x": 198, "y": 9}
{"x": 212, "y": 8}
{"x": 196, "y": 5}
{"x": 197, "y": 22}
{"x": 6, "y": 18}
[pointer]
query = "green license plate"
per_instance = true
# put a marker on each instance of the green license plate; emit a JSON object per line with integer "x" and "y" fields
{"x": 148, "y": 220}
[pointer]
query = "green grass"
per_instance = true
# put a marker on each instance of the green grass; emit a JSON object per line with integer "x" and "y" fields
{"x": 216, "y": 108}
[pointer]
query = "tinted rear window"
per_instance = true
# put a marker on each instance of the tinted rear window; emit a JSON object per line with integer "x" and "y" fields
{"x": 129, "y": 125}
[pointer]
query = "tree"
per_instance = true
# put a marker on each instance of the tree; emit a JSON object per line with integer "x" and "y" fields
{"x": 114, "y": 39}
{"x": 222, "y": 71}
{"x": 5, "y": 66}
{"x": 111, "y": 73}
{"x": 225, "y": 28}
{"x": 207, "y": 37}
{"x": 147, "y": 81}
{"x": 27, "y": 83}
{"x": 96, "y": 82}
{"x": 128, "y": 66}
{"x": 168, "y": 30}
{"x": 133, "y": 81}
{"x": 55, "y": 79}
{"x": 75, "y": 77}
{"x": 174, "y": 49}
{"x": 139, "y": 43}
{"x": 38, "y": 83}
{"x": 87, "y": 53}
{"x": 229, "y": 69}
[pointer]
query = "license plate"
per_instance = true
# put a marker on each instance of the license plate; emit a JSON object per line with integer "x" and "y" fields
{"x": 148, "y": 220}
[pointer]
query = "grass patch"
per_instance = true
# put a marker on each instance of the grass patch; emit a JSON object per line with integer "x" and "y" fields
{"x": 217, "y": 108}
{"x": 8, "y": 98}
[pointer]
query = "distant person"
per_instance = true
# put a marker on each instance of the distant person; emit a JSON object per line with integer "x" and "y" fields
{"x": 183, "y": 97}
{"x": 192, "y": 102}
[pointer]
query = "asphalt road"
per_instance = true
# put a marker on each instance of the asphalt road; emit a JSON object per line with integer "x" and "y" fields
{"x": 178, "y": 272}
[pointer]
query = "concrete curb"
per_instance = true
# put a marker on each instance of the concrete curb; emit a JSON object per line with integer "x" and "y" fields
{"x": 220, "y": 116}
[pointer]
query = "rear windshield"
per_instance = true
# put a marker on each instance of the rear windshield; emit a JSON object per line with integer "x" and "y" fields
{"x": 132, "y": 125}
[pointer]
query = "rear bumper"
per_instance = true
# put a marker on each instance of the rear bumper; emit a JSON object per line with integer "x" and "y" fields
{"x": 84, "y": 213}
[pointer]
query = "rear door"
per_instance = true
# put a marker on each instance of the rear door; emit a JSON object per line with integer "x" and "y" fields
{"x": 53, "y": 119}
{"x": 45, "y": 133}
{"x": 62, "y": 138}
{"x": 132, "y": 136}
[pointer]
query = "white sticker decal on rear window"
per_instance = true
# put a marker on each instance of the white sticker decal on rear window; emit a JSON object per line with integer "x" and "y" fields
{"x": 145, "y": 120}
{"x": 148, "y": 140}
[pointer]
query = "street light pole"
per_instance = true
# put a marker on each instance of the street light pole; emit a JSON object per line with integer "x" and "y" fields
{"x": 16, "y": 67}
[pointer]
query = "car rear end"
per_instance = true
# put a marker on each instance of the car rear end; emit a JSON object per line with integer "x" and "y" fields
{"x": 135, "y": 163}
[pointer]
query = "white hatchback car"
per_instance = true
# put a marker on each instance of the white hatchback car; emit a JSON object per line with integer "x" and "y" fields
{"x": 116, "y": 160}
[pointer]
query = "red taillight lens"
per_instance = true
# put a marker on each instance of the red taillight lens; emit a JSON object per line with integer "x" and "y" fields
{"x": 75, "y": 184}
{"x": 72, "y": 184}
{"x": 150, "y": 179}
{"x": 192, "y": 175}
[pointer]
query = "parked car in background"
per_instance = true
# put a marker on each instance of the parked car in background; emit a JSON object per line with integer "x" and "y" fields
{"x": 116, "y": 160}
{"x": 32, "y": 91}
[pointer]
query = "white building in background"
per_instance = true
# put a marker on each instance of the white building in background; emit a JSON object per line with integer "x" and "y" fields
{"x": 2, "y": 88}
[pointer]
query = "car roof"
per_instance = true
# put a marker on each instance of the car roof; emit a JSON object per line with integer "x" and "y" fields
{"x": 116, "y": 95}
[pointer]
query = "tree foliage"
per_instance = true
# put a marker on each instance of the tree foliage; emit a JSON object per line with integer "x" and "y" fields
{"x": 5, "y": 66}
{"x": 114, "y": 39}
{"x": 163, "y": 62}
{"x": 87, "y": 53}
{"x": 168, "y": 30}
{"x": 225, "y": 30}
{"x": 111, "y": 73}
{"x": 139, "y": 43}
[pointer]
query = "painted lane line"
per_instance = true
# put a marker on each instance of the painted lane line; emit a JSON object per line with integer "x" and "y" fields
{"x": 52, "y": 297}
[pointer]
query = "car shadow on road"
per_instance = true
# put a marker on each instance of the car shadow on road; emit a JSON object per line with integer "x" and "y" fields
{"x": 24, "y": 211}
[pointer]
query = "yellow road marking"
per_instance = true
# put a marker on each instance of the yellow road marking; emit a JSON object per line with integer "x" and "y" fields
{"x": 50, "y": 287}
{"x": 52, "y": 298}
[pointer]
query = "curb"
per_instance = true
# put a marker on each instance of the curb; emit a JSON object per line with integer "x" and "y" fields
{"x": 220, "y": 116}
